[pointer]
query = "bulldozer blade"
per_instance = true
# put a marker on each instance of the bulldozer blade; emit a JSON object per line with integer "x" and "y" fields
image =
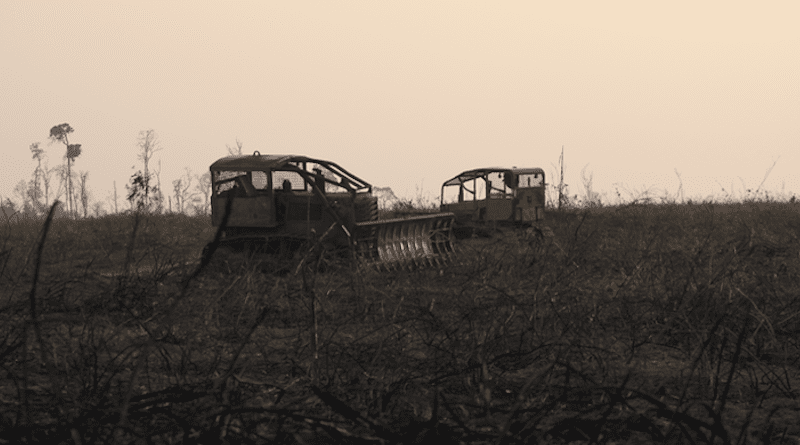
{"x": 406, "y": 243}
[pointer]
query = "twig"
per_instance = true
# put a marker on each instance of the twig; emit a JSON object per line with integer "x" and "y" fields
{"x": 34, "y": 319}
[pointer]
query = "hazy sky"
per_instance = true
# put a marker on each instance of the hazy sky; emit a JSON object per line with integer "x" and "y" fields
{"x": 408, "y": 94}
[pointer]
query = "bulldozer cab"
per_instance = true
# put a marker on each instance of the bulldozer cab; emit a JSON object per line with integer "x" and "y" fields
{"x": 515, "y": 195}
{"x": 282, "y": 193}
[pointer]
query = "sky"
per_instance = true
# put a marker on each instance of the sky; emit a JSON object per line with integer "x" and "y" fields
{"x": 645, "y": 98}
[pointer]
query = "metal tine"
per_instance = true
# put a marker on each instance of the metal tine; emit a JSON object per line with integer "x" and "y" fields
{"x": 416, "y": 240}
{"x": 409, "y": 244}
{"x": 405, "y": 244}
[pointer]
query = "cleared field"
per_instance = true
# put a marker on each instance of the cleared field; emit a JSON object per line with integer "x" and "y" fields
{"x": 634, "y": 324}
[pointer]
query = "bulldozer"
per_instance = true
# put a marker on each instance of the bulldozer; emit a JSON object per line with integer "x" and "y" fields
{"x": 485, "y": 197}
{"x": 282, "y": 204}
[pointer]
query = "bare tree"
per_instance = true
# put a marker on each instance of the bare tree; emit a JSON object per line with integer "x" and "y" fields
{"x": 47, "y": 176}
{"x": 680, "y": 186}
{"x": 593, "y": 198}
{"x": 149, "y": 145}
{"x": 203, "y": 188}
{"x": 8, "y": 209}
{"x": 98, "y": 209}
{"x": 38, "y": 175}
{"x": 33, "y": 198}
{"x": 158, "y": 191}
{"x": 141, "y": 191}
{"x": 177, "y": 188}
{"x": 60, "y": 133}
{"x": 116, "y": 209}
{"x": 233, "y": 151}
{"x": 21, "y": 192}
{"x": 84, "y": 193}
{"x": 181, "y": 187}
{"x": 61, "y": 173}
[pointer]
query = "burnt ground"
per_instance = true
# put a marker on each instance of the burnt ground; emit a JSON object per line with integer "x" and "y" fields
{"x": 633, "y": 324}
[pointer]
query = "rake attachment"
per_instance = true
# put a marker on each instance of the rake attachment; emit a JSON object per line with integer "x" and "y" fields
{"x": 406, "y": 243}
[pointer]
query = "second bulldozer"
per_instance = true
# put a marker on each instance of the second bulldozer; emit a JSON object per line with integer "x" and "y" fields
{"x": 487, "y": 197}
{"x": 280, "y": 204}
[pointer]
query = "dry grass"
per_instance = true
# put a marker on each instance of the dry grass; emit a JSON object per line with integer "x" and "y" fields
{"x": 633, "y": 324}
